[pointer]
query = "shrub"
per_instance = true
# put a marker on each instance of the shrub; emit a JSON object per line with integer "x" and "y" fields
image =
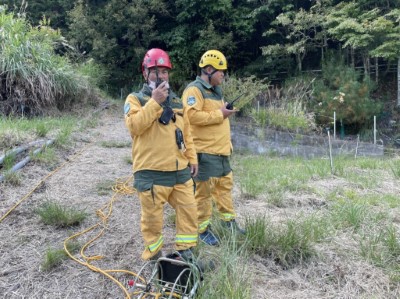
{"x": 33, "y": 76}
{"x": 249, "y": 87}
{"x": 286, "y": 107}
{"x": 54, "y": 214}
{"x": 342, "y": 89}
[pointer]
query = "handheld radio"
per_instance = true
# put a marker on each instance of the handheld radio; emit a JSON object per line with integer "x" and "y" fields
{"x": 230, "y": 105}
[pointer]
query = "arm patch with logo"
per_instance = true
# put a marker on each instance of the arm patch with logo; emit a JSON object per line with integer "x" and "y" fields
{"x": 127, "y": 107}
{"x": 191, "y": 100}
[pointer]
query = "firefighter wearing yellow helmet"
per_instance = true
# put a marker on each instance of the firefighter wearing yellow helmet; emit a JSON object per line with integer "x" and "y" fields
{"x": 164, "y": 157}
{"x": 209, "y": 119}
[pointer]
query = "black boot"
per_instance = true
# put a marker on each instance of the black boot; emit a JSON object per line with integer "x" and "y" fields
{"x": 234, "y": 227}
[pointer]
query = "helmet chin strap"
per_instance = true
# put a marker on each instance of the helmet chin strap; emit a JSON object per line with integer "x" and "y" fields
{"x": 209, "y": 74}
{"x": 148, "y": 74}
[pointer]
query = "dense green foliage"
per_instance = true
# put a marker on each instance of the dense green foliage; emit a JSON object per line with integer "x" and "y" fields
{"x": 343, "y": 90}
{"x": 33, "y": 77}
{"x": 257, "y": 37}
{"x": 272, "y": 40}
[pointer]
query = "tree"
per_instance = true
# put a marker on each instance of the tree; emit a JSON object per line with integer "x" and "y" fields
{"x": 53, "y": 10}
{"x": 343, "y": 89}
{"x": 358, "y": 29}
{"x": 116, "y": 33}
{"x": 33, "y": 77}
{"x": 389, "y": 28}
{"x": 194, "y": 27}
{"x": 302, "y": 32}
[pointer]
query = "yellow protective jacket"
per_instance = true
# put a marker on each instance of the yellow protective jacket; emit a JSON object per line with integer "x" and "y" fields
{"x": 154, "y": 145}
{"x": 211, "y": 132}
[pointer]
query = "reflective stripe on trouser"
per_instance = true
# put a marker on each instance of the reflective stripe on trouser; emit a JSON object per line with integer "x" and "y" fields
{"x": 181, "y": 198}
{"x": 220, "y": 190}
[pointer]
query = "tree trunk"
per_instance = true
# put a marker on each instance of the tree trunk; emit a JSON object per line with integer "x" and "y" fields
{"x": 299, "y": 66}
{"x": 376, "y": 69}
{"x": 366, "y": 65}
{"x": 353, "y": 63}
{"x": 398, "y": 82}
{"x": 322, "y": 54}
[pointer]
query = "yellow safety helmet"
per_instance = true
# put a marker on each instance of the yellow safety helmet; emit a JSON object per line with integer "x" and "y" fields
{"x": 214, "y": 58}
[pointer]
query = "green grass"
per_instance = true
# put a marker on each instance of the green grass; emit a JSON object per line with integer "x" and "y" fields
{"x": 281, "y": 118}
{"x": 349, "y": 215}
{"x": 46, "y": 156}
{"x": 105, "y": 187}
{"x": 31, "y": 66}
{"x": 54, "y": 257}
{"x": 287, "y": 243}
{"x": 90, "y": 122}
{"x": 356, "y": 205}
{"x": 13, "y": 178}
{"x": 42, "y": 129}
{"x": 170, "y": 219}
{"x": 128, "y": 160}
{"x": 52, "y": 213}
{"x": 273, "y": 175}
{"x": 231, "y": 277}
{"x": 381, "y": 248}
{"x": 116, "y": 144}
{"x": 395, "y": 167}
{"x": 19, "y": 129}
{"x": 9, "y": 161}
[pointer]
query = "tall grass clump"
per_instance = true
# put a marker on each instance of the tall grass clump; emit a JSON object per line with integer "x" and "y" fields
{"x": 231, "y": 278}
{"x": 35, "y": 79}
{"x": 52, "y": 213}
{"x": 287, "y": 243}
{"x": 9, "y": 161}
{"x": 47, "y": 157}
{"x": 381, "y": 248}
{"x": 285, "y": 107}
{"x": 54, "y": 257}
{"x": 349, "y": 214}
{"x": 395, "y": 167}
{"x": 13, "y": 178}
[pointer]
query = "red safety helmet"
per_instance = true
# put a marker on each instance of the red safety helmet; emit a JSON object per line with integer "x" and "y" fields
{"x": 155, "y": 57}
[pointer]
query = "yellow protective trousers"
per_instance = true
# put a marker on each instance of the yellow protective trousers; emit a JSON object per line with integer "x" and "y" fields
{"x": 181, "y": 198}
{"x": 219, "y": 190}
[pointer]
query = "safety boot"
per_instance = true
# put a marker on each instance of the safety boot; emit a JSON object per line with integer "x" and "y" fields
{"x": 209, "y": 238}
{"x": 234, "y": 227}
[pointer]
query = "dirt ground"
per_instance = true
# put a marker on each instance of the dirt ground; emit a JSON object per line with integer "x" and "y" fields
{"x": 24, "y": 239}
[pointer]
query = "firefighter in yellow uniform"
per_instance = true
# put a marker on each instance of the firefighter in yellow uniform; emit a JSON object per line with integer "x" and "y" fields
{"x": 164, "y": 157}
{"x": 209, "y": 120}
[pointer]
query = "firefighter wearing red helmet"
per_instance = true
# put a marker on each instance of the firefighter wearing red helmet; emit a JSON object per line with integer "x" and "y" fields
{"x": 164, "y": 157}
{"x": 156, "y": 57}
{"x": 209, "y": 120}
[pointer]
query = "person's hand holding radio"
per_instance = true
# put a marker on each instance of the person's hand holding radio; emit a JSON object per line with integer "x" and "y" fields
{"x": 160, "y": 93}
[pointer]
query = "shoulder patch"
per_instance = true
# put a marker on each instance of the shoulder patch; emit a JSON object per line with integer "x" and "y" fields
{"x": 191, "y": 100}
{"x": 127, "y": 107}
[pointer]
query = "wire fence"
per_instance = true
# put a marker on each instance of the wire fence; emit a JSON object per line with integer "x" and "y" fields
{"x": 250, "y": 138}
